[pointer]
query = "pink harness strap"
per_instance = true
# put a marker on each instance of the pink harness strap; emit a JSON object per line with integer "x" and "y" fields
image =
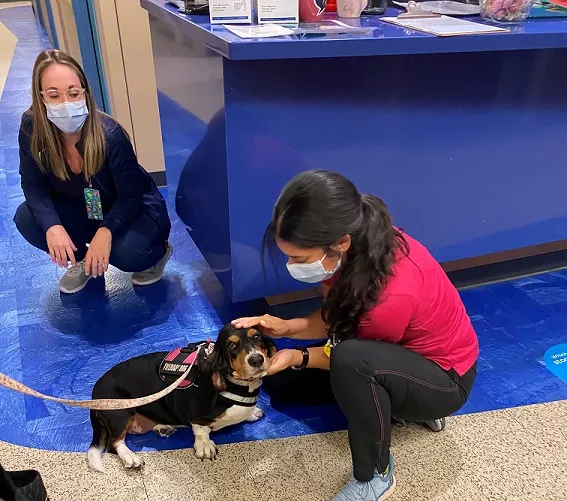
{"x": 178, "y": 361}
{"x": 175, "y": 353}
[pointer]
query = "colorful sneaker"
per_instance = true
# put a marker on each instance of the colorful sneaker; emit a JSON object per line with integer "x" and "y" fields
{"x": 153, "y": 274}
{"x": 436, "y": 425}
{"x": 380, "y": 488}
{"x": 74, "y": 279}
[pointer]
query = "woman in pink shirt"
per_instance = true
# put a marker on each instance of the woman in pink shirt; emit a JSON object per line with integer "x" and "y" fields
{"x": 399, "y": 341}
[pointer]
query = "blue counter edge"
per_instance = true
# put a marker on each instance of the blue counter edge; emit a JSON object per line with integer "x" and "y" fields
{"x": 543, "y": 34}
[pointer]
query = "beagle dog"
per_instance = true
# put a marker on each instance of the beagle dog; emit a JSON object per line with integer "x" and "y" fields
{"x": 223, "y": 392}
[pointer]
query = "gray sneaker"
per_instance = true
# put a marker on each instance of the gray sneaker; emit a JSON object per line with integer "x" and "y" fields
{"x": 74, "y": 280}
{"x": 153, "y": 274}
{"x": 436, "y": 425}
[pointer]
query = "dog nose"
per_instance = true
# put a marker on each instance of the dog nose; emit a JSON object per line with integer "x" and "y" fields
{"x": 256, "y": 360}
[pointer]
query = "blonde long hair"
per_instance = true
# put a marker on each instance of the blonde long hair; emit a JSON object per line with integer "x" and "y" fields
{"x": 46, "y": 141}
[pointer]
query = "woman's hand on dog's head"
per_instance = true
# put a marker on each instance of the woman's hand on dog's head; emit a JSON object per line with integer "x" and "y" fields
{"x": 267, "y": 324}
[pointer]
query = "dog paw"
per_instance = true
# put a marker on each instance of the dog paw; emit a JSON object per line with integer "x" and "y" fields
{"x": 256, "y": 415}
{"x": 94, "y": 457}
{"x": 131, "y": 461}
{"x": 164, "y": 430}
{"x": 205, "y": 449}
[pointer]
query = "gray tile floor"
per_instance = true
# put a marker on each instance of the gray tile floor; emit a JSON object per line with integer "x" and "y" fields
{"x": 511, "y": 455}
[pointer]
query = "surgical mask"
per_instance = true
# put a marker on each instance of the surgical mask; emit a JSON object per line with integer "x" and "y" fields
{"x": 69, "y": 117}
{"x": 312, "y": 273}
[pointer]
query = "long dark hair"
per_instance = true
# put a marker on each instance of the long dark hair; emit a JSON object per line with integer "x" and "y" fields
{"x": 316, "y": 209}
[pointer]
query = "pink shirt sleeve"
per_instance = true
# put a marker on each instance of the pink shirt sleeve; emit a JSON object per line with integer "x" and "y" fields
{"x": 389, "y": 319}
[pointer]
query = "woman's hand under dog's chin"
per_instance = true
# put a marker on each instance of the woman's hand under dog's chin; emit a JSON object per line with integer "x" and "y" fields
{"x": 284, "y": 359}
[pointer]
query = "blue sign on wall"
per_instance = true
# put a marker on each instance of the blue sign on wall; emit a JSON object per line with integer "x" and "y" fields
{"x": 556, "y": 360}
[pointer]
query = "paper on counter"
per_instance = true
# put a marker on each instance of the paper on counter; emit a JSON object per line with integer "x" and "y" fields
{"x": 263, "y": 31}
{"x": 447, "y": 7}
{"x": 330, "y": 27}
{"x": 443, "y": 26}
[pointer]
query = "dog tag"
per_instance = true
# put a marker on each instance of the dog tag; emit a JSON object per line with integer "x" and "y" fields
{"x": 94, "y": 204}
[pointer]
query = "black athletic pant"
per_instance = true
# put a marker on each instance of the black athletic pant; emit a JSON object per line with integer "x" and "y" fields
{"x": 371, "y": 381}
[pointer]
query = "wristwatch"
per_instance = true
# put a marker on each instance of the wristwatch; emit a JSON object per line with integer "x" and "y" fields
{"x": 305, "y": 360}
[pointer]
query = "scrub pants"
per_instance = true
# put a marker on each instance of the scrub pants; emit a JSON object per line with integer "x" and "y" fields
{"x": 138, "y": 248}
{"x": 371, "y": 381}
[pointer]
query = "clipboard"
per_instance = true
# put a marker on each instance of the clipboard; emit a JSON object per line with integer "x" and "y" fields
{"x": 415, "y": 18}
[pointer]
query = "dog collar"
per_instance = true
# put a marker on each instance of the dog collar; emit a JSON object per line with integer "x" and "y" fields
{"x": 242, "y": 382}
{"x": 236, "y": 394}
{"x": 233, "y": 398}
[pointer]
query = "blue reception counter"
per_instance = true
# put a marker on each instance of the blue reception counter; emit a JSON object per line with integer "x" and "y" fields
{"x": 464, "y": 137}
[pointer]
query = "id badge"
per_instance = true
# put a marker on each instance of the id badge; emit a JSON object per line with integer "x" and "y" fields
{"x": 328, "y": 348}
{"x": 93, "y": 203}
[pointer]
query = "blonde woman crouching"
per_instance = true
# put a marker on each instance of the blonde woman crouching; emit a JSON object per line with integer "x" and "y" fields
{"x": 88, "y": 203}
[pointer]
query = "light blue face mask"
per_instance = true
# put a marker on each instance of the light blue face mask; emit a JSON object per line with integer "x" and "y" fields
{"x": 312, "y": 273}
{"x": 68, "y": 117}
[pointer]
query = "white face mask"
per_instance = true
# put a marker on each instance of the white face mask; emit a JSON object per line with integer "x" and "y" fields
{"x": 68, "y": 117}
{"x": 312, "y": 273}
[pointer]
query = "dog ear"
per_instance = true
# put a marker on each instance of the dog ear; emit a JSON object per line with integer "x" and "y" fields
{"x": 216, "y": 365}
{"x": 269, "y": 346}
{"x": 219, "y": 382}
{"x": 225, "y": 333}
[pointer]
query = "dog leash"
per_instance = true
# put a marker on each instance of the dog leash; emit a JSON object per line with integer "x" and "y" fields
{"x": 103, "y": 404}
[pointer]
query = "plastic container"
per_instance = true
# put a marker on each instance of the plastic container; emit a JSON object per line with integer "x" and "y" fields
{"x": 505, "y": 11}
{"x": 351, "y": 9}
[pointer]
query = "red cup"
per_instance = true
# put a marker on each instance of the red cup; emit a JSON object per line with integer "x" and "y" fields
{"x": 311, "y": 11}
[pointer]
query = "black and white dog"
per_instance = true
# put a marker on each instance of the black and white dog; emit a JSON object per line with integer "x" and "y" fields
{"x": 224, "y": 392}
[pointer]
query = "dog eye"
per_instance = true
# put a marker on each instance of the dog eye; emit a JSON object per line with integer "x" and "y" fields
{"x": 231, "y": 345}
{"x": 257, "y": 336}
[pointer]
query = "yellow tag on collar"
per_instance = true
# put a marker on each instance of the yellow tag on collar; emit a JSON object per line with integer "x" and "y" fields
{"x": 327, "y": 349}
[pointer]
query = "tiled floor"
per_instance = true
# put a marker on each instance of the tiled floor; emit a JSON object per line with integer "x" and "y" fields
{"x": 60, "y": 345}
{"x": 511, "y": 455}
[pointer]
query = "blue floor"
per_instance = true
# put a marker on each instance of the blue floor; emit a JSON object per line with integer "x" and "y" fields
{"x": 61, "y": 344}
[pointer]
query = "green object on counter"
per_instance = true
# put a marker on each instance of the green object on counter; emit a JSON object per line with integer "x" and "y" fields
{"x": 543, "y": 9}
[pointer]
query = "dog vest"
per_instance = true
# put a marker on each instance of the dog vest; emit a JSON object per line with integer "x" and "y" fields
{"x": 178, "y": 361}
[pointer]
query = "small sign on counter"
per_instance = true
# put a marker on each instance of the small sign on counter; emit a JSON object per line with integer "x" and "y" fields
{"x": 230, "y": 11}
{"x": 278, "y": 11}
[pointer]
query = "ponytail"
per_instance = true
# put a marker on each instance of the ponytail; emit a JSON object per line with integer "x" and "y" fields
{"x": 368, "y": 266}
{"x": 315, "y": 210}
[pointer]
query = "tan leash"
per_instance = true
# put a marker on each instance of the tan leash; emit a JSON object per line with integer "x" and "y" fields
{"x": 103, "y": 404}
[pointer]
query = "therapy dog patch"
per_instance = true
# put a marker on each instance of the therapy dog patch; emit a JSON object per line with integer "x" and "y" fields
{"x": 178, "y": 362}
